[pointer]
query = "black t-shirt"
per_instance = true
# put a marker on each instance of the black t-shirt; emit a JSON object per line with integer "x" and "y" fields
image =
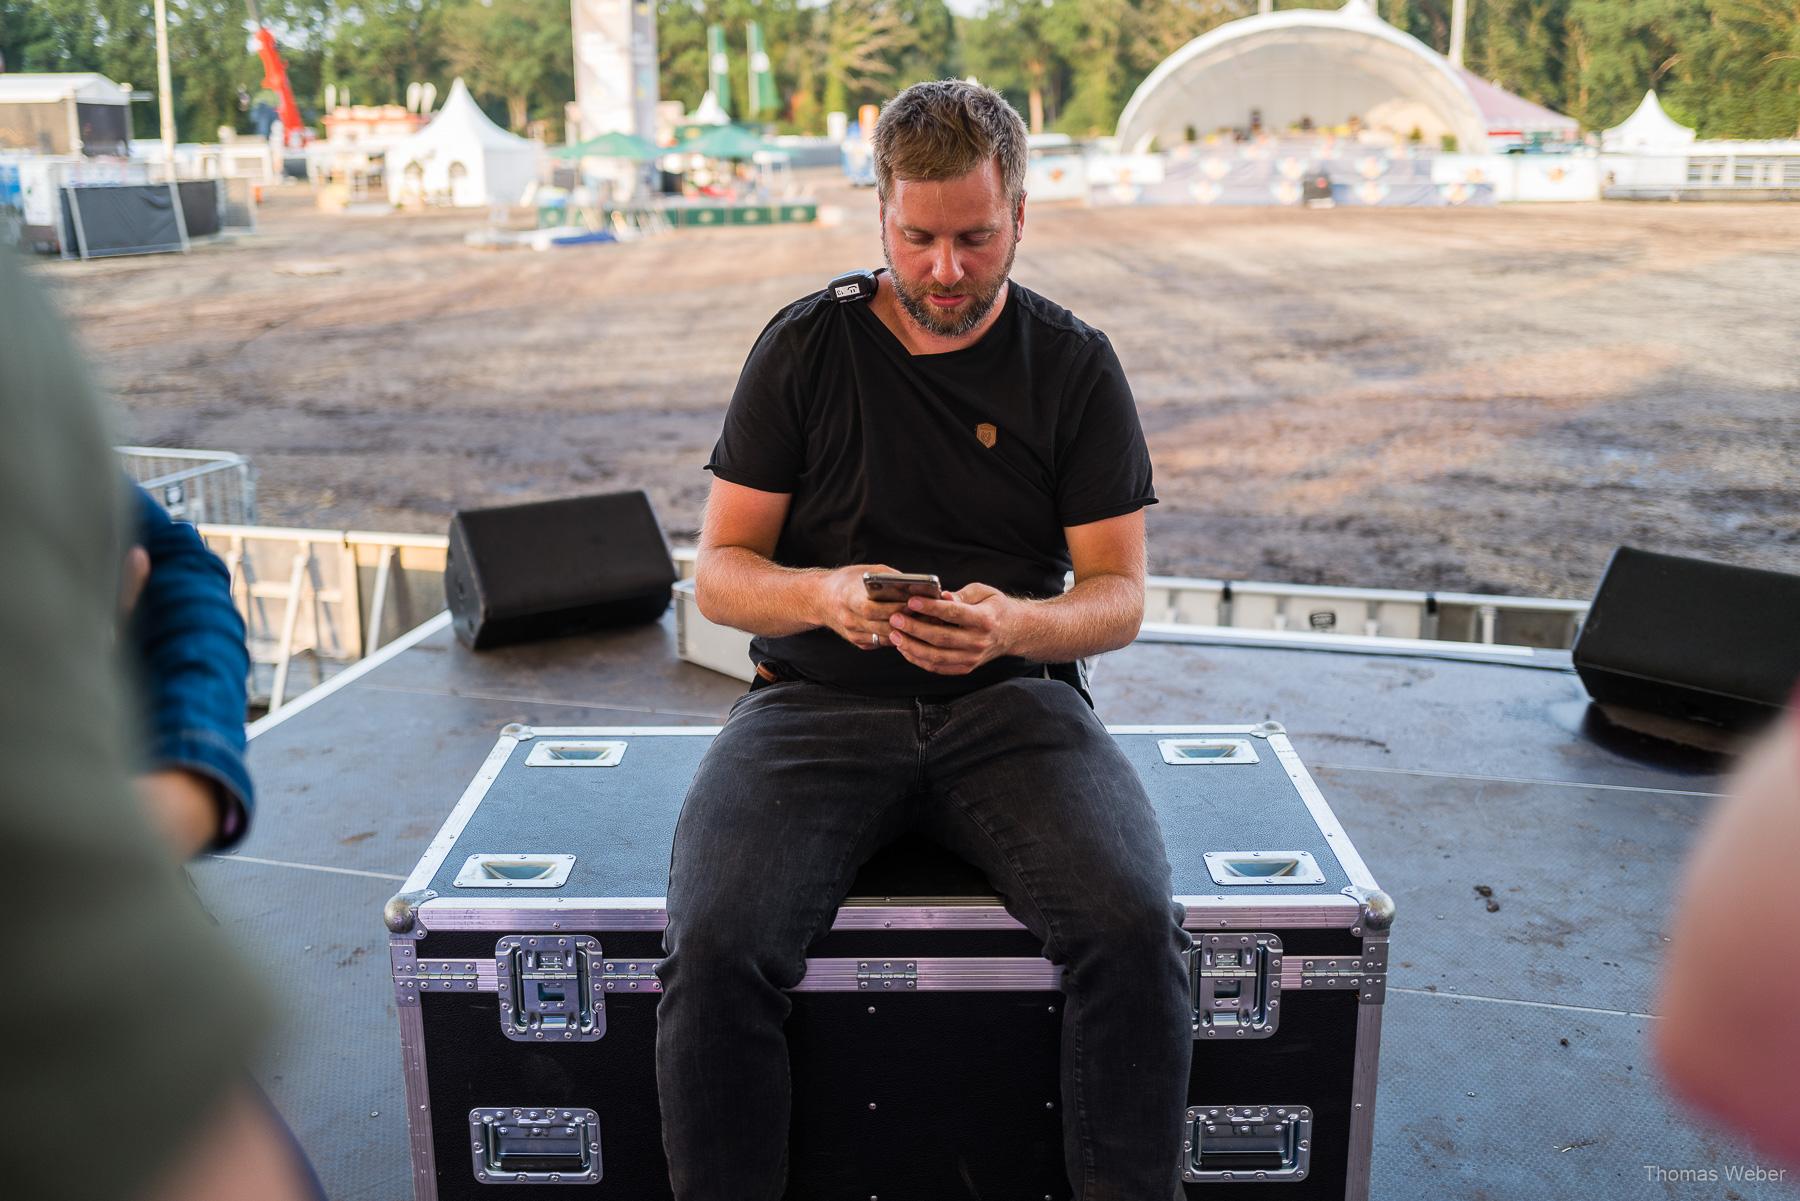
{"x": 967, "y": 464}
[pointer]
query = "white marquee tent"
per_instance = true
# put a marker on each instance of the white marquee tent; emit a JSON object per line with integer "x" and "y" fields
{"x": 1648, "y": 130}
{"x": 461, "y": 159}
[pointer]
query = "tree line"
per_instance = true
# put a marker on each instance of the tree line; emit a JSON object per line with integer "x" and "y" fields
{"x": 1729, "y": 67}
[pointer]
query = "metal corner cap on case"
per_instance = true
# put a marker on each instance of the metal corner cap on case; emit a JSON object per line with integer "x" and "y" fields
{"x": 515, "y": 730}
{"x": 1377, "y": 907}
{"x": 403, "y": 907}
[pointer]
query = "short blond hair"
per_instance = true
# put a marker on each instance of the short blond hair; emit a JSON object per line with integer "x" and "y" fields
{"x": 945, "y": 129}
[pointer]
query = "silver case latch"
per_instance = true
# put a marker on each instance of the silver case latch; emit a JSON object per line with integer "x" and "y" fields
{"x": 550, "y": 988}
{"x": 1236, "y": 985}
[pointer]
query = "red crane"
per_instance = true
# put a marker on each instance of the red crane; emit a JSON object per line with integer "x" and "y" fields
{"x": 293, "y": 133}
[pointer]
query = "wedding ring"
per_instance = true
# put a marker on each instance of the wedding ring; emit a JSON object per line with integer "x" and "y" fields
{"x": 874, "y": 639}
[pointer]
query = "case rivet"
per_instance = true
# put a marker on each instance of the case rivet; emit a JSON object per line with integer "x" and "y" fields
{"x": 871, "y": 1105}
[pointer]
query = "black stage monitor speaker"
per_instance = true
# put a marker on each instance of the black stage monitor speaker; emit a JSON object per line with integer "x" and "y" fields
{"x": 556, "y": 567}
{"x": 1688, "y": 638}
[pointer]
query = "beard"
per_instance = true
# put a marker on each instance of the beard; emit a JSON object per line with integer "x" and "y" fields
{"x": 982, "y": 294}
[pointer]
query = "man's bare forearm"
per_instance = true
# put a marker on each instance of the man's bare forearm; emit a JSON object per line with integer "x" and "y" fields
{"x": 739, "y": 588}
{"x": 1100, "y": 613}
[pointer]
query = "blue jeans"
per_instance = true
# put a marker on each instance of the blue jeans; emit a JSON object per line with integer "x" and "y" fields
{"x": 801, "y": 787}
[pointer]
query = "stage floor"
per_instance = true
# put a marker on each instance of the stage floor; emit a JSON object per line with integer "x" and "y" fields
{"x": 1514, "y": 1058}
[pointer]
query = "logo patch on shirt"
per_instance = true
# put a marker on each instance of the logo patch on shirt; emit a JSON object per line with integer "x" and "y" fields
{"x": 986, "y": 435}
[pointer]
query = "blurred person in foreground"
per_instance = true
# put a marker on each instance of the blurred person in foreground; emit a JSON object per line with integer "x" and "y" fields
{"x": 1728, "y": 1034}
{"x": 191, "y": 666}
{"x": 126, "y": 1064}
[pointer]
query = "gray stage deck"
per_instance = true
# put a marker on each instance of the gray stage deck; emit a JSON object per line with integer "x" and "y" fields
{"x": 1514, "y": 1060}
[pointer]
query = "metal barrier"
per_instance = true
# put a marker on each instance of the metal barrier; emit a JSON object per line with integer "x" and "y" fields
{"x": 195, "y": 485}
{"x": 331, "y": 597}
{"x": 1178, "y": 608}
{"x": 1367, "y": 612}
{"x": 324, "y": 597}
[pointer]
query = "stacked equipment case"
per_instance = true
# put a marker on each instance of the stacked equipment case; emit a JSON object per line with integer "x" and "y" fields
{"x": 925, "y": 1035}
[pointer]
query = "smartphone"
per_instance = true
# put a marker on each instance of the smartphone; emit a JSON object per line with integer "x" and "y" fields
{"x": 899, "y": 586}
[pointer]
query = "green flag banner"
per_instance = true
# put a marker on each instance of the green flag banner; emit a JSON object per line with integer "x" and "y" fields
{"x": 763, "y": 101}
{"x": 718, "y": 67}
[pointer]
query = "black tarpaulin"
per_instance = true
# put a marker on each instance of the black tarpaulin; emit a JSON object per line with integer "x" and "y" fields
{"x": 123, "y": 219}
{"x": 200, "y": 206}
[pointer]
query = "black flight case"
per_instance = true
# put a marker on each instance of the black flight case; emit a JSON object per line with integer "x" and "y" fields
{"x": 925, "y": 1034}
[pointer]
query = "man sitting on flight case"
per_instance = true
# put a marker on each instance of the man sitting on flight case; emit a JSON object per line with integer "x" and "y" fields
{"x": 935, "y": 418}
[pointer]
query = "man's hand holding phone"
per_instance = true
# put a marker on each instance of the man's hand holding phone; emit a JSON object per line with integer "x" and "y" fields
{"x": 858, "y": 611}
{"x": 956, "y": 632}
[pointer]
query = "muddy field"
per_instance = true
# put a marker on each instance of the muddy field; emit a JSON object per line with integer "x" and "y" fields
{"x": 1487, "y": 400}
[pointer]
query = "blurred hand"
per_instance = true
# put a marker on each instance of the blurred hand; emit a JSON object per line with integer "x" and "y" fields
{"x": 241, "y": 1153}
{"x": 183, "y": 806}
{"x": 132, "y": 577}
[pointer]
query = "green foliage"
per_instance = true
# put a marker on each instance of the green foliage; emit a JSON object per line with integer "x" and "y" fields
{"x": 1010, "y": 49}
{"x": 209, "y": 55}
{"x": 520, "y": 50}
{"x": 1730, "y": 67}
{"x": 1520, "y": 45}
{"x": 1742, "y": 79}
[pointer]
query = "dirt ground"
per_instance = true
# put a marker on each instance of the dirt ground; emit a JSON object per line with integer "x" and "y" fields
{"x": 1485, "y": 399}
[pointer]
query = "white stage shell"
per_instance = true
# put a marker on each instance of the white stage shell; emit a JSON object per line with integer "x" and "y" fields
{"x": 1303, "y": 64}
{"x": 461, "y": 159}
